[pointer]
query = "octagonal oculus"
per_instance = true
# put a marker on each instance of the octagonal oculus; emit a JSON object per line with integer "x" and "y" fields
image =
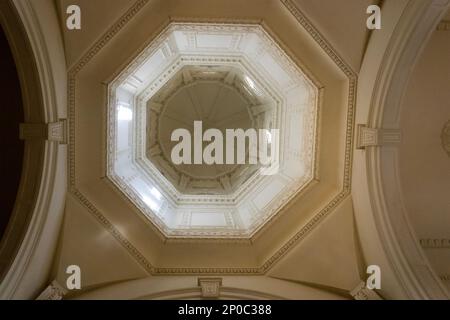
{"x": 227, "y": 76}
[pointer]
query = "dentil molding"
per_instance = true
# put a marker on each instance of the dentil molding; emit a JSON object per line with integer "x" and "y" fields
{"x": 435, "y": 243}
{"x": 443, "y": 26}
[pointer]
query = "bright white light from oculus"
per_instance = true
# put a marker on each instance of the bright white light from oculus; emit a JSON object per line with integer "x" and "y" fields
{"x": 151, "y": 203}
{"x": 156, "y": 193}
{"x": 250, "y": 83}
{"x": 269, "y": 137}
{"x": 124, "y": 114}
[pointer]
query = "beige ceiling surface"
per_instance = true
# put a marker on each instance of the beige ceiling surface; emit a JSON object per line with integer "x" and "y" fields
{"x": 86, "y": 243}
{"x": 328, "y": 257}
{"x": 342, "y": 23}
{"x": 97, "y": 17}
{"x": 332, "y": 18}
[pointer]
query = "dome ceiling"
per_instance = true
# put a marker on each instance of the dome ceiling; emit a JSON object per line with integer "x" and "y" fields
{"x": 150, "y": 68}
{"x": 116, "y": 92}
{"x": 210, "y": 95}
{"x": 227, "y": 77}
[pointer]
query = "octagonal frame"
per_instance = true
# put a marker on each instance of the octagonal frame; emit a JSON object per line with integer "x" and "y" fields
{"x": 231, "y": 218}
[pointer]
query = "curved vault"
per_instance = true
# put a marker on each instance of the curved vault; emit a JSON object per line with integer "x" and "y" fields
{"x": 228, "y": 76}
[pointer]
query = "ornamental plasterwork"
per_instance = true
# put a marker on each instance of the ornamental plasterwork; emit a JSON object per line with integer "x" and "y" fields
{"x": 53, "y": 292}
{"x": 238, "y": 63}
{"x": 361, "y": 292}
{"x": 302, "y": 232}
{"x": 444, "y": 25}
{"x": 238, "y": 202}
{"x": 210, "y": 287}
{"x": 445, "y": 138}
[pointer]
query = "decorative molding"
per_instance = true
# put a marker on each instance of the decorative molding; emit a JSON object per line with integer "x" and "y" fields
{"x": 361, "y": 292}
{"x": 232, "y": 287}
{"x": 435, "y": 243}
{"x": 319, "y": 38}
{"x": 40, "y": 61}
{"x": 444, "y": 25}
{"x": 445, "y": 138}
{"x": 369, "y": 137}
{"x": 53, "y": 292}
{"x": 109, "y": 34}
{"x": 55, "y": 131}
{"x": 210, "y": 287}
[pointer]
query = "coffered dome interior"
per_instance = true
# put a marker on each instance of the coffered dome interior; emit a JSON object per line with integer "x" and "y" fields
{"x": 227, "y": 77}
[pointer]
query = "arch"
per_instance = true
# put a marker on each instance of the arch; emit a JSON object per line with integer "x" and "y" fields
{"x": 186, "y": 287}
{"x": 387, "y": 237}
{"x": 12, "y": 147}
{"x": 30, "y": 242}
